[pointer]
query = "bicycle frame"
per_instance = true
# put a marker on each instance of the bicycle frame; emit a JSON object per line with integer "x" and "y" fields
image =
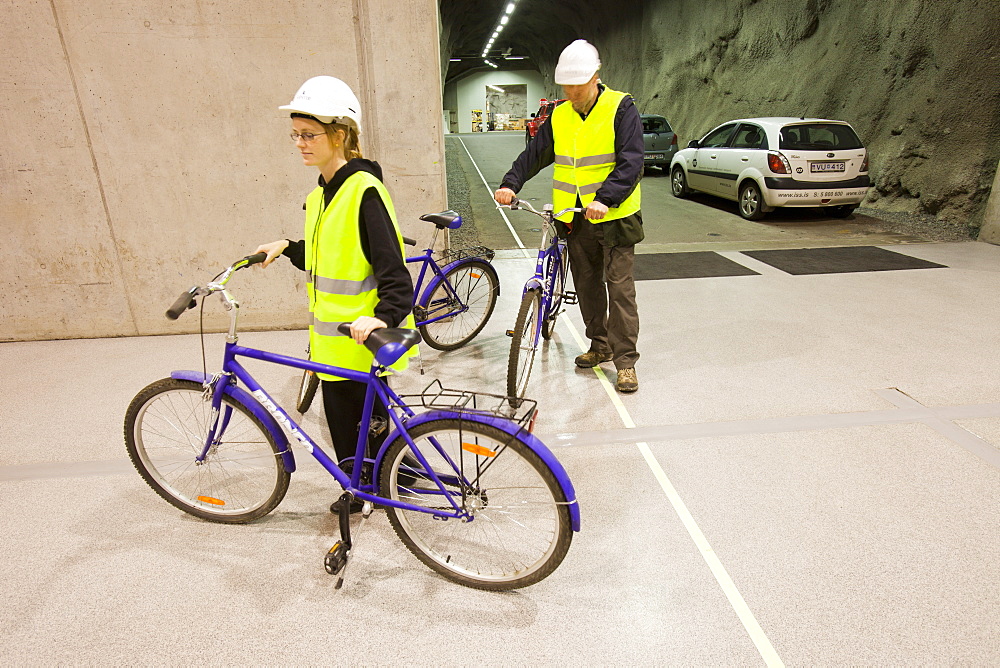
{"x": 275, "y": 418}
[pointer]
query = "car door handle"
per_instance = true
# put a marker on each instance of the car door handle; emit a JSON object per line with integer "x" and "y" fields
{"x": 745, "y": 159}
{"x": 713, "y": 157}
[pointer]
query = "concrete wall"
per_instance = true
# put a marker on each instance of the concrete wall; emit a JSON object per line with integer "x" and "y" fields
{"x": 141, "y": 149}
{"x": 470, "y": 91}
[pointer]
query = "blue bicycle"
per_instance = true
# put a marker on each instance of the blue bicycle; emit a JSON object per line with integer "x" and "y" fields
{"x": 458, "y": 300}
{"x": 465, "y": 484}
{"x": 543, "y": 298}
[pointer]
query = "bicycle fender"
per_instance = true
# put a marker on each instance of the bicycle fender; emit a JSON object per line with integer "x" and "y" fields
{"x": 507, "y": 427}
{"x": 436, "y": 279}
{"x": 533, "y": 283}
{"x": 251, "y": 404}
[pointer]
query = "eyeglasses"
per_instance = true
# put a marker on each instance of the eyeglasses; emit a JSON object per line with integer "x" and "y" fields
{"x": 307, "y": 137}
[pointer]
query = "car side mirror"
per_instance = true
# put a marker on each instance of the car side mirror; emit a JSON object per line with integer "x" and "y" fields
{"x": 693, "y": 143}
{"x": 532, "y": 115}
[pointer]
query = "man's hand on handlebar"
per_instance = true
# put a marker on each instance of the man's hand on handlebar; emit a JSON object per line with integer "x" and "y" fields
{"x": 272, "y": 249}
{"x": 504, "y": 196}
{"x": 365, "y": 325}
{"x": 595, "y": 211}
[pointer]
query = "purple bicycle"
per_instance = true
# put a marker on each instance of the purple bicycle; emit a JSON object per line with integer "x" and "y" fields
{"x": 542, "y": 301}
{"x": 464, "y": 483}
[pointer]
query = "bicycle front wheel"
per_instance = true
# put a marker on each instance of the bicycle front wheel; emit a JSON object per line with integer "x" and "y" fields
{"x": 307, "y": 390}
{"x": 519, "y": 529}
{"x": 461, "y": 311}
{"x": 240, "y": 479}
{"x": 524, "y": 343}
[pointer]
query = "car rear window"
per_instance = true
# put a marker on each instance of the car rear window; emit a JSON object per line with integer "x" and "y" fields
{"x": 655, "y": 125}
{"x": 818, "y": 137}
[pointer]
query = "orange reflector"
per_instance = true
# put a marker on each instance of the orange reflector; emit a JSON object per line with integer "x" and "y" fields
{"x": 474, "y": 275}
{"x": 214, "y": 502}
{"x": 478, "y": 450}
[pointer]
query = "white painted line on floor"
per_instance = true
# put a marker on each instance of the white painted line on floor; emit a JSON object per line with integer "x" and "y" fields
{"x": 739, "y": 605}
{"x": 510, "y": 227}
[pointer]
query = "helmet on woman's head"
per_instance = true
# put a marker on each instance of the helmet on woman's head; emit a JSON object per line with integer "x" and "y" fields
{"x": 328, "y": 100}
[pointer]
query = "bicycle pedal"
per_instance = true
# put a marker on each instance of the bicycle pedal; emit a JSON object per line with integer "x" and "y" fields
{"x": 510, "y": 333}
{"x": 569, "y": 298}
{"x": 336, "y": 558}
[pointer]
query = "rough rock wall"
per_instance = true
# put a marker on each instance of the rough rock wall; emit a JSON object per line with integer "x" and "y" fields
{"x": 918, "y": 79}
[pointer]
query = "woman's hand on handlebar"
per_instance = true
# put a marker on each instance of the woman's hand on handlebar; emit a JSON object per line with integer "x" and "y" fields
{"x": 272, "y": 249}
{"x": 365, "y": 325}
{"x": 504, "y": 196}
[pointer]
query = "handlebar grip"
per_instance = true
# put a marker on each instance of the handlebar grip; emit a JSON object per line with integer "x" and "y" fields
{"x": 183, "y": 303}
{"x": 256, "y": 258}
{"x": 344, "y": 328}
{"x": 409, "y": 242}
{"x": 513, "y": 203}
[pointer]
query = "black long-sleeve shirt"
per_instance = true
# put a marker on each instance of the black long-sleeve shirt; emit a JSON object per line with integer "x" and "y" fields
{"x": 629, "y": 151}
{"x": 378, "y": 243}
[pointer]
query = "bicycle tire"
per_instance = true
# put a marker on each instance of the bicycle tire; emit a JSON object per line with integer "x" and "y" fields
{"x": 558, "y": 285}
{"x": 476, "y": 286}
{"x": 307, "y": 390}
{"x": 520, "y": 531}
{"x": 241, "y": 480}
{"x": 524, "y": 344}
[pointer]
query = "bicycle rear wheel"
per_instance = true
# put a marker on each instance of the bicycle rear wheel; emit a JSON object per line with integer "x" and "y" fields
{"x": 241, "y": 479}
{"x": 558, "y": 271}
{"x": 524, "y": 343}
{"x": 475, "y": 290}
{"x": 520, "y": 528}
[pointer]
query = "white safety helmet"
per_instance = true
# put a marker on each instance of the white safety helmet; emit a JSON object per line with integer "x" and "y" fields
{"x": 577, "y": 63}
{"x": 328, "y": 100}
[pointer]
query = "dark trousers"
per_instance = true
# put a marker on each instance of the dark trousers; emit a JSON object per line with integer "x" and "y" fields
{"x": 343, "y": 404}
{"x": 605, "y": 288}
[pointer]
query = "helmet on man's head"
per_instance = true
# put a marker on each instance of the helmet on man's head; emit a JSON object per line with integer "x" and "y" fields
{"x": 328, "y": 100}
{"x": 577, "y": 64}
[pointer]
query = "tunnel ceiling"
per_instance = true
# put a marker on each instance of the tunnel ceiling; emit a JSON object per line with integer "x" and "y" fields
{"x": 537, "y": 30}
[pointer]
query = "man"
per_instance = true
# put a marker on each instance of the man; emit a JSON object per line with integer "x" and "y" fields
{"x": 596, "y": 144}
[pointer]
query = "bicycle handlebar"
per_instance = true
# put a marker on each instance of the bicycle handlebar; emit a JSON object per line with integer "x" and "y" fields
{"x": 187, "y": 298}
{"x": 547, "y": 209}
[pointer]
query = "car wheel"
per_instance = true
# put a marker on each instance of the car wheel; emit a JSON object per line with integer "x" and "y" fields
{"x": 842, "y": 211}
{"x": 751, "y": 202}
{"x": 678, "y": 184}
{"x": 527, "y": 137}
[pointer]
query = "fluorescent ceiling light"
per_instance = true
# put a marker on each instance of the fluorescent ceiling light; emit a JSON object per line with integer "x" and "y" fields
{"x": 510, "y": 8}
{"x": 504, "y": 19}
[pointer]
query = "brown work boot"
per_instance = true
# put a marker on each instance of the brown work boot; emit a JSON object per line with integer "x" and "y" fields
{"x": 627, "y": 381}
{"x": 592, "y": 358}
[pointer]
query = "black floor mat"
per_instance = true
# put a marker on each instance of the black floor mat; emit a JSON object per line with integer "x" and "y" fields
{"x": 846, "y": 259}
{"x": 703, "y": 264}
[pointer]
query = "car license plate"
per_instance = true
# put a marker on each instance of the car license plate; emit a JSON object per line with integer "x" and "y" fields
{"x": 826, "y": 167}
{"x": 654, "y": 156}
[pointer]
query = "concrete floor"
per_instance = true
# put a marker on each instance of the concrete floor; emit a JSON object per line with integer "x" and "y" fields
{"x": 809, "y": 474}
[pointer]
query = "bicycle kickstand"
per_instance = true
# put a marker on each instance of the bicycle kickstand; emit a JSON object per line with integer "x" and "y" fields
{"x": 336, "y": 559}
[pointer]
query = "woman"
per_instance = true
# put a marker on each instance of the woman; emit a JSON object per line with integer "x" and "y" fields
{"x": 352, "y": 251}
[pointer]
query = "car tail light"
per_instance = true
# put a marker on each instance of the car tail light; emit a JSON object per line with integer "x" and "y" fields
{"x": 864, "y": 165}
{"x": 673, "y": 142}
{"x": 778, "y": 164}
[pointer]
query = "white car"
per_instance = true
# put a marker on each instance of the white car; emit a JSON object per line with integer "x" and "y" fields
{"x": 763, "y": 163}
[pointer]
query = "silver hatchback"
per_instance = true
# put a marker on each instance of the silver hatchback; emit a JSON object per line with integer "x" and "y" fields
{"x": 764, "y": 163}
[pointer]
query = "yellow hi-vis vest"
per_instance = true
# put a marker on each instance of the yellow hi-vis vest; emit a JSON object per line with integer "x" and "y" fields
{"x": 585, "y": 156}
{"x": 340, "y": 282}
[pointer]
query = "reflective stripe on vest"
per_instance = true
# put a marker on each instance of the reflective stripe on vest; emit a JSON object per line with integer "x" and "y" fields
{"x": 340, "y": 282}
{"x": 585, "y": 156}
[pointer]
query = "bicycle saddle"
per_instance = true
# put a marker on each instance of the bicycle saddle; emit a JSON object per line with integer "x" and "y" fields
{"x": 449, "y": 219}
{"x": 387, "y": 344}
